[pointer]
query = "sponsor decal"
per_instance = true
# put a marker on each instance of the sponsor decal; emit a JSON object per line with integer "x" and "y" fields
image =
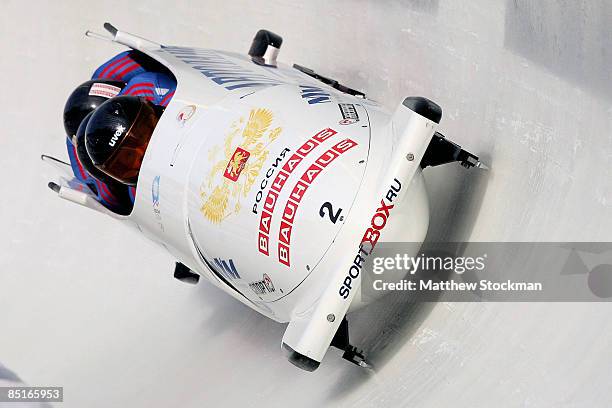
{"x": 314, "y": 95}
{"x": 263, "y": 239}
{"x": 370, "y": 237}
{"x": 104, "y": 90}
{"x": 227, "y": 268}
{"x": 233, "y": 173}
{"x": 349, "y": 114}
{"x": 155, "y": 201}
{"x": 185, "y": 114}
{"x": 236, "y": 164}
{"x": 298, "y": 192}
{"x": 209, "y": 264}
{"x": 221, "y": 69}
{"x": 118, "y": 132}
{"x": 261, "y": 287}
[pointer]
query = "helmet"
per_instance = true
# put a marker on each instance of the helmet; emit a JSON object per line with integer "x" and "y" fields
{"x": 117, "y": 136}
{"x": 81, "y": 152}
{"x": 118, "y": 190}
{"x": 85, "y": 98}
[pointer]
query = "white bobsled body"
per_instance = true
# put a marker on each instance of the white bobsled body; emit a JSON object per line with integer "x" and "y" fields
{"x": 254, "y": 173}
{"x": 276, "y": 187}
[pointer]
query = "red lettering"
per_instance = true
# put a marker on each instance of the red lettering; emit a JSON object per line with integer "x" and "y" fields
{"x": 384, "y": 208}
{"x": 292, "y": 163}
{"x": 298, "y": 191}
{"x": 290, "y": 210}
{"x": 310, "y": 174}
{"x": 284, "y": 233}
{"x": 279, "y": 181}
{"x": 344, "y": 145}
{"x": 371, "y": 235}
{"x": 263, "y": 243}
{"x": 381, "y": 225}
{"x": 324, "y": 135}
{"x": 270, "y": 202}
{"x": 326, "y": 158}
{"x": 283, "y": 254}
{"x": 264, "y": 222}
{"x": 307, "y": 147}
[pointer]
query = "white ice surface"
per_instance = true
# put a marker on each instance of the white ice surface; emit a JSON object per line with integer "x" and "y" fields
{"x": 88, "y": 305}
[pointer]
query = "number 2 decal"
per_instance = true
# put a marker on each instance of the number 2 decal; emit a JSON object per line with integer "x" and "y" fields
{"x": 333, "y": 217}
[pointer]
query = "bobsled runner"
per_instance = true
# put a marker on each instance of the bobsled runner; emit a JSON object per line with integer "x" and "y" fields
{"x": 276, "y": 183}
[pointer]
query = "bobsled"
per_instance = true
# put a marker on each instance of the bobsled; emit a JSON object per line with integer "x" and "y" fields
{"x": 275, "y": 184}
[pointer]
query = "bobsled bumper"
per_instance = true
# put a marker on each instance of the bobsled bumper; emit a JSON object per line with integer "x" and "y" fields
{"x": 412, "y": 126}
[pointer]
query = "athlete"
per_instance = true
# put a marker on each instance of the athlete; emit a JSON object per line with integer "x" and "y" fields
{"x": 129, "y": 73}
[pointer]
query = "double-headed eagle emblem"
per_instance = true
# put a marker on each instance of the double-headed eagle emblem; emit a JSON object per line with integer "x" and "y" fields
{"x": 231, "y": 177}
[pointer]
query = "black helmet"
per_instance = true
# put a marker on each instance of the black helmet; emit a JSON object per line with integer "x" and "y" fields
{"x": 118, "y": 190}
{"x": 117, "y": 136}
{"x": 85, "y": 98}
{"x": 84, "y": 158}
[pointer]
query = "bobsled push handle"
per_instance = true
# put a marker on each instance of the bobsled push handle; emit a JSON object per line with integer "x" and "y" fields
{"x": 111, "y": 29}
{"x": 127, "y": 39}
